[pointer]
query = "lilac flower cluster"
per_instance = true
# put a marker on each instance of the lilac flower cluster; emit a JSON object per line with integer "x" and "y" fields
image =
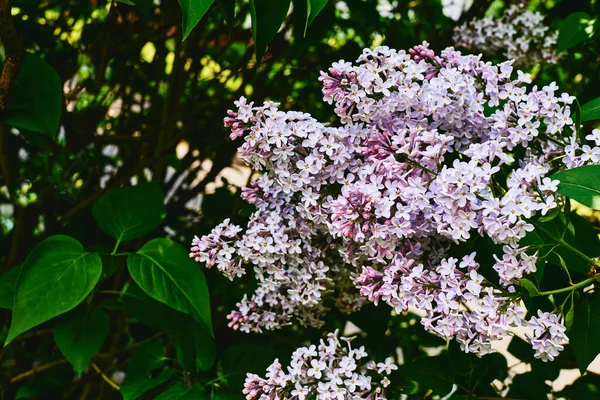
{"x": 518, "y": 35}
{"x": 331, "y": 371}
{"x": 433, "y": 150}
{"x": 547, "y": 336}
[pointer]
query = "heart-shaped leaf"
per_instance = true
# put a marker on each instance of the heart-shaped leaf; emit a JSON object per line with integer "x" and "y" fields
{"x": 54, "y": 279}
{"x": 35, "y": 101}
{"x": 130, "y": 212}
{"x": 80, "y": 335}
{"x": 164, "y": 270}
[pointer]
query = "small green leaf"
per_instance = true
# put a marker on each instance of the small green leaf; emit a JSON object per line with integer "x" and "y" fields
{"x": 7, "y": 287}
{"x": 267, "y": 17}
{"x": 192, "y": 12}
{"x": 80, "y": 335}
{"x": 27, "y": 391}
{"x": 135, "y": 389}
{"x": 529, "y": 286}
{"x": 131, "y": 212}
{"x": 55, "y": 278}
{"x": 35, "y": 101}
{"x": 574, "y": 29}
{"x": 164, "y": 270}
{"x": 591, "y": 110}
{"x": 584, "y": 331}
{"x": 550, "y": 215}
{"x": 314, "y": 7}
{"x": 581, "y": 184}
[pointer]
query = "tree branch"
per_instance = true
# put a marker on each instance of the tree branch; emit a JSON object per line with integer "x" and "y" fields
{"x": 38, "y": 369}
{"x": 14, "y": 52}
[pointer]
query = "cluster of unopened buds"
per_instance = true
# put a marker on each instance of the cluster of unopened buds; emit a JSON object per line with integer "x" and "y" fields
{"x": 518, "y": 35}
{"x": 331, "y": 371}
{"x": 434, "y": 153}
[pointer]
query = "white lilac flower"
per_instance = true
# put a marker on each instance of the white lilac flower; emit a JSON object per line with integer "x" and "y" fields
{"x": 333, "y": 372}
{"x": 519, "y": 35}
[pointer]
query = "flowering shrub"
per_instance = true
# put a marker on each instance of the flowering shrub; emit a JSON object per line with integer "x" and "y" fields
{"x": 518, "y": 35}
{"x": 433, "y": 151}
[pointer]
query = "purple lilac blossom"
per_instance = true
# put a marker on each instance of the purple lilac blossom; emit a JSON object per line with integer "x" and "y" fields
{"x": 331, "y": 371}
{"x": 424, "y": 159}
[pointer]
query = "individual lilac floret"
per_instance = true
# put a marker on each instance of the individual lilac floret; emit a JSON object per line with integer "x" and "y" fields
{"x": 547, "y": 336}
{"x": 331, "y": 371}
{"x": 518, "y": 35}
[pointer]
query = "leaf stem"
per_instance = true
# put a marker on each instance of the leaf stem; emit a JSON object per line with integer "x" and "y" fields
{"x": 576, "y": 286}
{"x": 566, "y": 245}
{"x": 114, "y": 252}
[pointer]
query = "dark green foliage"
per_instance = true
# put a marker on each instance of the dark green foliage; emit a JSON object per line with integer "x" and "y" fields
{"x": 133, "y": 150}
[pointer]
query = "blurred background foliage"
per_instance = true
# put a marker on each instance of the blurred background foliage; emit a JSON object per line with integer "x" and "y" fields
{"x": 139, "y": 104}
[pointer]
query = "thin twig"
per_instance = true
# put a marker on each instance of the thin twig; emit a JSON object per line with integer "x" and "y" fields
{"x": 38, "y": 369}
{"x": 106, "y": 378}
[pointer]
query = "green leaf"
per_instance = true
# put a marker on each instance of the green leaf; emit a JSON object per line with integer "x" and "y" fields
{"x": 55, "y": 278}
{"x": 164, "y": 270}
{"x": 35, "y": 101}
{"x": 314, "y": 7}
{"x": 550, "y": 215}
{"x": 192, "y": 340}
{"x": 267, "y": 17}
{"x": 584, "y": 331}
{"x": 7, "y": 287}
{"x": 80, "y": 335}
{"x": 192, "y": 12}
{"x": 581, "y": 184}
{"x": 591, "y": 110}
{"x": 27, "y": 391}
{"x": 135, "y": 389}
{"x": 179, "y": 391}
{"x": 529, "y": 286}
{"x": 145, "y": 359}
{"x": 573, "y": 30}
{"x": 131, "y": 212}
